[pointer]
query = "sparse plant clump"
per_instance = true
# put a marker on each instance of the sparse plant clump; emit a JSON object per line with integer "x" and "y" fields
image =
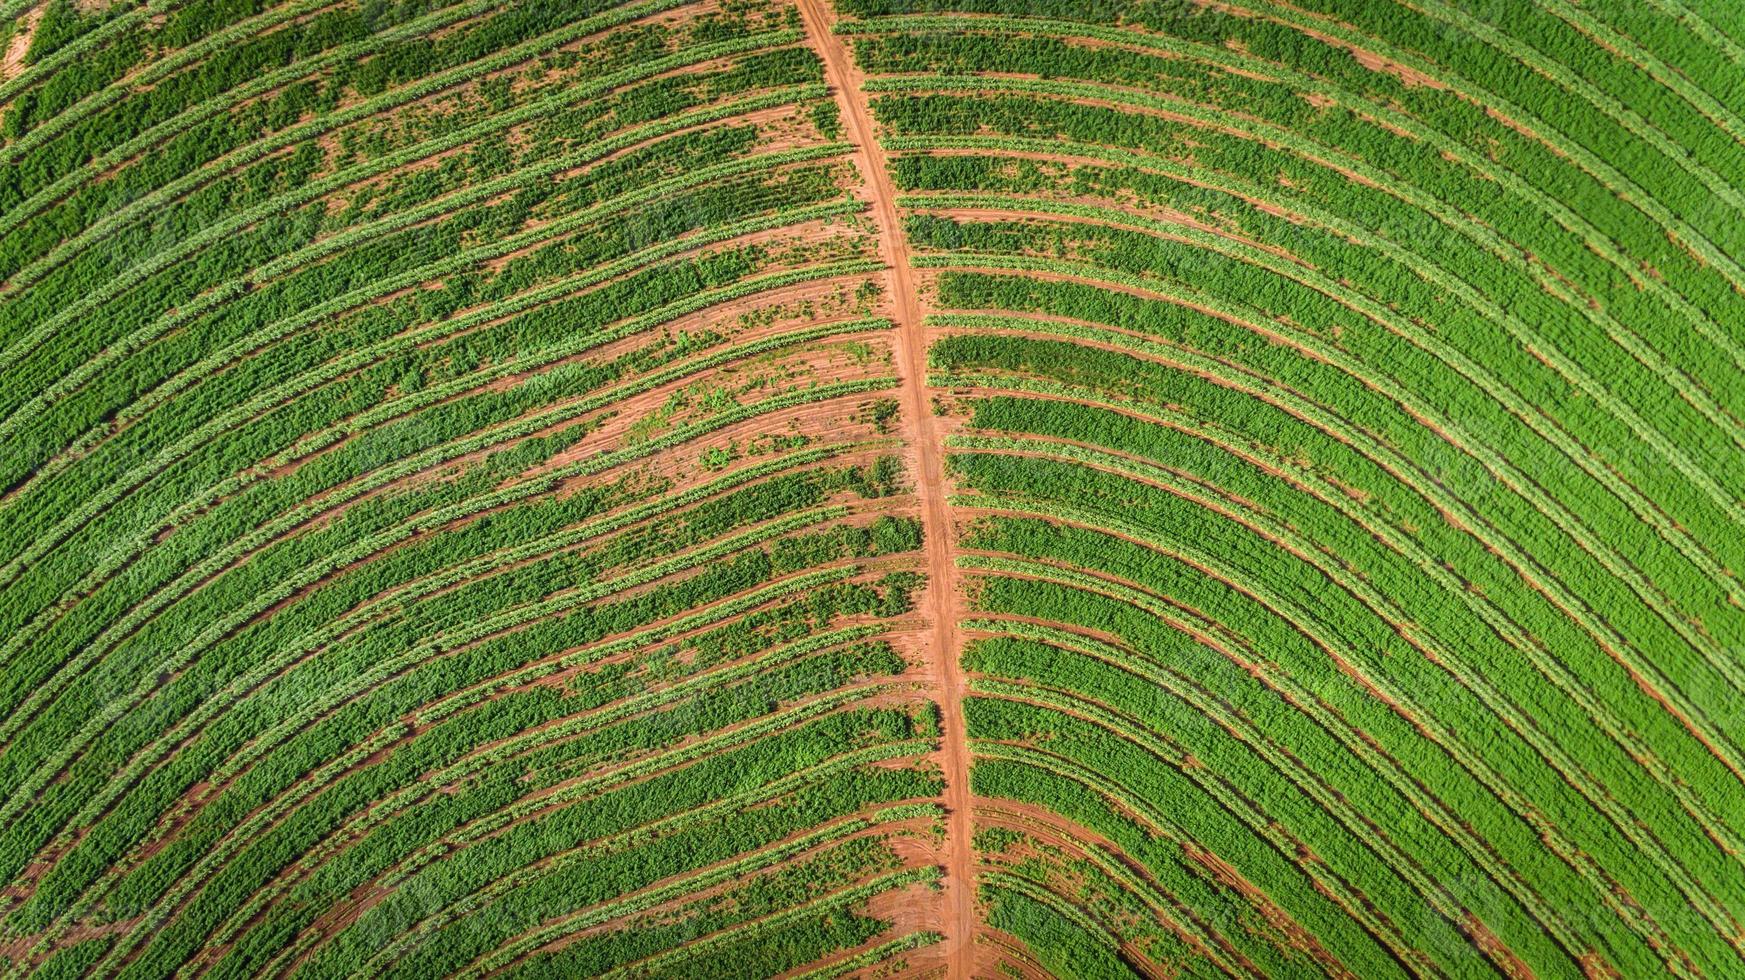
{"x": 718, "y": 457}
{"x": 881, "y": 414}
{"x": 827, "y": 118}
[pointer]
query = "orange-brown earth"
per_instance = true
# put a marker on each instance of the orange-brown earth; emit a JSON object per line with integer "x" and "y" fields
{"x": 12, "y": 62}
{"x": 921, "y": 431}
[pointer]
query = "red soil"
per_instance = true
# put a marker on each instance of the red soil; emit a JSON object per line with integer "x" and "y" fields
{"x": 920, "y": 431}
{"x": 12, "y": 62}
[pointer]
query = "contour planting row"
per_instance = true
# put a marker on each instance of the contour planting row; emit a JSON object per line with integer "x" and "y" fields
{"x": 1079, "y": 271}
{"x": 313, "y": 232}
{"x": 462, "y": 498}
{"x": 1464, "y": 803}
{"x": 392, "y": 262}
{"x": 212, "y": 813}
{"x": 310, "y": 546}
{"x": 326, "y": 608}
{"x": 1100, "y": 428}
{"x": 639, "y": 450}
{"x": 1675, "y": 824}
{"x": 1173, "y": 351}
{"x": 456, "y": 519}
{"x": 1036, "y": 115}
{"x": 466, "y": 414}
{"x": 298, "y": 716}
{"x": 1454, "y": 76}
{"x": 1065, "y": 293}
{"x": 471, "y": 63}
{"x": 490, "y": 503}
{"x": 1080, "y": 865}
{"x": 1623, "y": 442}
{"x": 531, "y": 448}
{"x": 1116, "y": 339}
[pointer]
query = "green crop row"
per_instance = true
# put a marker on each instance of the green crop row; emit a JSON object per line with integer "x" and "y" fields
{"x": 1342, "y": 393}
{"x": 733, "y": 821}
{"x": 1621, "y": 442}
{"x": 92, "y": 726}
{"x": 1672, "y": 823}
{"x": 1404, "y": 747}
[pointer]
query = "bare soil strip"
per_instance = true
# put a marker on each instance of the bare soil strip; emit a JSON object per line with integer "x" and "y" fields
{"x": 920, "y": 432}
{"x": 12, "y": 61}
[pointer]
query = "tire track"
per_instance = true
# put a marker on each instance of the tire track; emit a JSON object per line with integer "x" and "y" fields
{"x": 921, "y": 433}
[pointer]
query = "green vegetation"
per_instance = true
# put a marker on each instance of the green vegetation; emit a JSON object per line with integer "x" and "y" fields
{"x": 458, "y": 518}
{"x": 1355, "y": 391}
{"x": 420, "y": 483}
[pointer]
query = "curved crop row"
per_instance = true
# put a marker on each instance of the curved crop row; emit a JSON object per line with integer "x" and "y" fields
{"x": 723, "y": 488}
{"x": 1292, "y": 358}
{"x": 460, "y": 476}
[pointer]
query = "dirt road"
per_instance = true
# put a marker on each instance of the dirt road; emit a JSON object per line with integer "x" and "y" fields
{"x": 925, "y": 447}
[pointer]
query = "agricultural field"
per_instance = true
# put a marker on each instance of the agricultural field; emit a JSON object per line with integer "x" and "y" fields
{"x": 872, "y": 488}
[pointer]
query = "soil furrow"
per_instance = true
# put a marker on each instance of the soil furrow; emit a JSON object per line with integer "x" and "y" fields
{"x": 921, "y": 433}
